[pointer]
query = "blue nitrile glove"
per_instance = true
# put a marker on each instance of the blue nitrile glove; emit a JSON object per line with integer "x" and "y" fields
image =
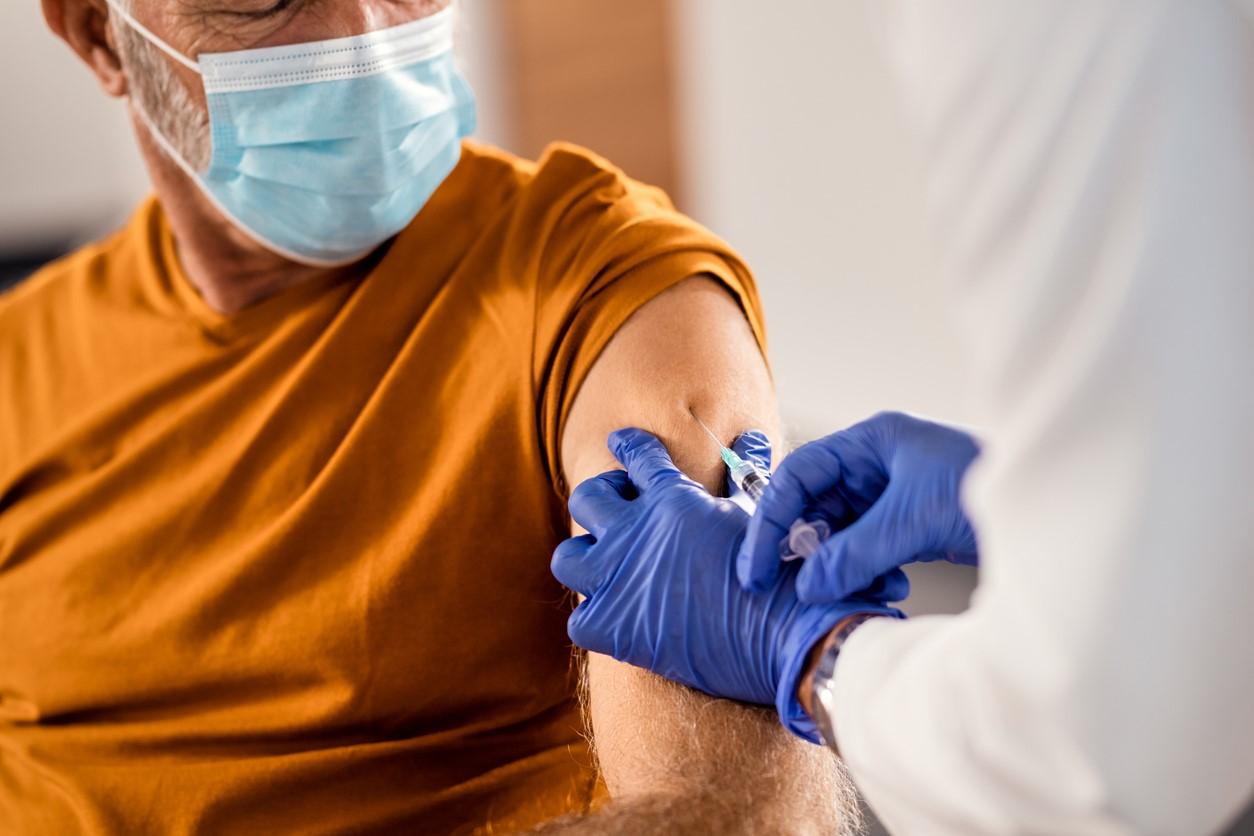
{"x": 889, "y": 487}
{"x": 658, "y": 572}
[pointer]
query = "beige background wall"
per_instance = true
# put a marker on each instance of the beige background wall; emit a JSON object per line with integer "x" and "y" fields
{"x": 794, "y": 150}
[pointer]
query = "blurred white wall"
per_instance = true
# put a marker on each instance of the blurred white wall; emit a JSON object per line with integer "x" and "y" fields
{"x": 794, "y": 151}
{"x": 68, "y": 165}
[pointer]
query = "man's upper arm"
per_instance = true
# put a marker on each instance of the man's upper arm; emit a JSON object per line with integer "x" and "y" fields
{"x": 689, "y": 348}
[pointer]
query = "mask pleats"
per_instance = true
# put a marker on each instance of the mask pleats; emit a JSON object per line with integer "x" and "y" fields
{"x": 361, "y": 222}
{"x": 341, "y": 109}
{"x": 364, "y": 166}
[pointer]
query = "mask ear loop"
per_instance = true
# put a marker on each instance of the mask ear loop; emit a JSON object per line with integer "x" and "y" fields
{"x": 154, "y": 39}
{"x": 165, "y": 144}
{"x": 148, "y": 35}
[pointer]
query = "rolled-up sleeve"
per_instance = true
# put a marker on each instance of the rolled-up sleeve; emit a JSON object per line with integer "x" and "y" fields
{"x": 607, "y": 245}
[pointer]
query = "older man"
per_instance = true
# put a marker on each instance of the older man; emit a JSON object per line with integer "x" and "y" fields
{"x": 282, "y": 462}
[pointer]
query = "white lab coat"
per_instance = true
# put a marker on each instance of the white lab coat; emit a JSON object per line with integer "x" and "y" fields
{"x": 1091, "y": 164}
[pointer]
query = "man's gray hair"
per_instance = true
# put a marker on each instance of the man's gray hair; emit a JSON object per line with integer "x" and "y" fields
{"x": 158, "y": 93}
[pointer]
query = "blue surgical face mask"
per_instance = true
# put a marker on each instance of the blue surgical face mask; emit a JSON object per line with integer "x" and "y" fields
{"x": 322, "y": 151}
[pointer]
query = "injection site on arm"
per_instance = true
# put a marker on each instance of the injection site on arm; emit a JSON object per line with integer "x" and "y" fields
{"x": 804, "y": 537}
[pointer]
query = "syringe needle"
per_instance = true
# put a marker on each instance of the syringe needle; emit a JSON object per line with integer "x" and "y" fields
{"x": 804, "y": 536}
{"x": 708, "y": 431}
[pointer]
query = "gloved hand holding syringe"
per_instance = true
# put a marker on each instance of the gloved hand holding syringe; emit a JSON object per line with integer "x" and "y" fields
{"x": 805, "y": 536}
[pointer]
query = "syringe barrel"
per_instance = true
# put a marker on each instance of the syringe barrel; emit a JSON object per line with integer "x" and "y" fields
{"x": 804, "y": 537}
{"x": 753, "y": 484}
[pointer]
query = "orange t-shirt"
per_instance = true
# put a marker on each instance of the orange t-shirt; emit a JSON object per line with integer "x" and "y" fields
{"x": 286, "y": 571}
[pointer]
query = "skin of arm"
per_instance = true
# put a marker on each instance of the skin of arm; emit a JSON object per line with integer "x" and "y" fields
{"x": 675, "y": 760}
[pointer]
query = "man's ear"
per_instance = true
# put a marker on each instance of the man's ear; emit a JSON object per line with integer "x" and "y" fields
{"x": 84, "y": 25}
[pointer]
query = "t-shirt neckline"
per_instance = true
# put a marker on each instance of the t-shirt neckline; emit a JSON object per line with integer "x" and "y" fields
{"x": 258, "y": 316}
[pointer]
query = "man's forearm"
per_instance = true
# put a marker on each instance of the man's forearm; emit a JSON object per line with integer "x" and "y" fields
{"x": 670, "y": 813}
{"x": 708, "y": 812}
{"x": 716, "y": 766}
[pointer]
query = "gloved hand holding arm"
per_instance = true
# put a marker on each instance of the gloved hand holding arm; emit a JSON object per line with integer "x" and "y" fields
{"x": 657, "y": 570}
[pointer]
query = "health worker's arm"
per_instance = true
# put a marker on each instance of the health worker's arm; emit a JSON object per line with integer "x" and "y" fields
{"x": 1092, "y": 173}
{"x": 675, "y": 760}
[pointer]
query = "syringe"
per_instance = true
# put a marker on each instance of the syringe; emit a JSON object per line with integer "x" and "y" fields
{"x": 805, "y": 536}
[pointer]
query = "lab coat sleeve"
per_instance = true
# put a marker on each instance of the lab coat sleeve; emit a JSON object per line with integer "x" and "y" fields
{"x": 1091, "y": 171}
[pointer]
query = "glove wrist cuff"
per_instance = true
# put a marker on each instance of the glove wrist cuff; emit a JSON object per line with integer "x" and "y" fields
{"x": 796, "y": 653}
